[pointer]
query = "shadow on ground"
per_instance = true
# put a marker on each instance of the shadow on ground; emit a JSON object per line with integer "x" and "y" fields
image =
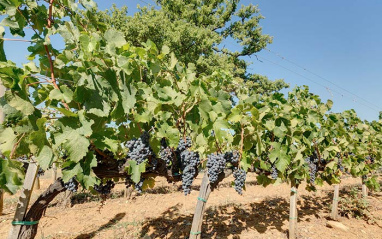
{"x": 233, "y": 219}
{"x": 107, "y": 225}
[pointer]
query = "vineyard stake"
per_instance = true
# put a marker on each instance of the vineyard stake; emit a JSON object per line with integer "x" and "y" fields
{"x": 293, "y": 213}
{"x": 54, "y": 172}
{"x": 22, "y": 205}
{"x": 2, "y": 91}
{"x": 334, "y": 214}
{"x": 364, "y": 188}
{"x": 204, "y": 193}
{"x": 38, "y": 183}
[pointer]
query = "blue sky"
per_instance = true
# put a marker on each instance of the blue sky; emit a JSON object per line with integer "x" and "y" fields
{"x": 339, "y": 41}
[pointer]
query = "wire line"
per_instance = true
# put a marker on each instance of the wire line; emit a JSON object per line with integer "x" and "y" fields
{"x": 309, "y": 79}
{"x": 323, "y": 78}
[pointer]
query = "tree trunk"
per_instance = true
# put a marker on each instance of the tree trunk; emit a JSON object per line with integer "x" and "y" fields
{"x": 38, "y": 208}
{"x": 334, "y": 214}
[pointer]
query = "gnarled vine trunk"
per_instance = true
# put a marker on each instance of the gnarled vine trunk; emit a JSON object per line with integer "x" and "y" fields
{"x": 107, "y": 168}
{"x": 39, "y": 206}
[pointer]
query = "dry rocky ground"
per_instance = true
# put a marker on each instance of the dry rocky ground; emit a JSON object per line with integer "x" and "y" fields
{"x": 164, "y": 212}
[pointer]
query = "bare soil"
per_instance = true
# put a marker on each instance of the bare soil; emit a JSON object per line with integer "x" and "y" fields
{"x": 164, "y": 212}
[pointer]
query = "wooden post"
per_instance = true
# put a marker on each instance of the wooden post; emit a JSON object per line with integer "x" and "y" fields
{"x": 334, "y": 214}
{"x": 127, "y": 192}
{"x": 1, "y": 201}
{"x": 364, "y": 188}
{"x": 2, "y": 92}
{"x": 24, "y": 199}
{"x": 38, "y": 183}
{"x": 293, "y": 213}
{"x": 204, "y": 193}
{"x": 54, "y": 173}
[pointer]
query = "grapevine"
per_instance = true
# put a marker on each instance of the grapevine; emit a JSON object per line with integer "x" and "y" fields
{"x": 104, "y": 188}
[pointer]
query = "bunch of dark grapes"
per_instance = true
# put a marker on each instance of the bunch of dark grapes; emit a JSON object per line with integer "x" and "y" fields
{"x": 215, "y": 165}
{"x": 23, "y": 159}
{"x": 232, "y": 157}
{"x": 340, "y": 166}
{"x": 40, "y": 172}
{"x": 184, "y": 144}
{"x": 71, "y": 185}
{"x": 240, "y": 176}
{"x": 312, "y": 163}
{"x": 190, "y": 161}
{"x": 104, "y": 189}
{"x": 139, "y": 149}
{"x": 165, "y": 152}
{"x": 138, "y": 186}
{"x": 274, "y": 174}
{"x": 370, "y": 159}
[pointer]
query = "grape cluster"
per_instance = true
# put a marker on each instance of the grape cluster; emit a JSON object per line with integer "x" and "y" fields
{"x": 166, "y": 155}
{"x": 340, "y": 166}
{"x": 139, "y": 149}
{"x": 138, "y": 186}
{"x": 215, "y": 165}
{"x": 190, "y": 161}
{"x": 274, "y": 174}
{"x": 23, "y": 159}
{"x": 71, "y": 185}
{"x": 40, "y": 172}
{"x": 240, "y": 176}
{"x": 104, "y": 189}
{"x": 370, "y": 159}
{"x": 184, "y": 144}
{"x": 232, "y": 157}
{"x": 312, "y": 163}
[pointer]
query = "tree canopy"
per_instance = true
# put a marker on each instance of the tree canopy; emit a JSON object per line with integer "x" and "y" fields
{"x": 197, "y": 31}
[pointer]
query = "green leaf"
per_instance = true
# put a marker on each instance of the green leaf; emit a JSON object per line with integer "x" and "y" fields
{"x": 115, "y": 37}
{"x": 74, "y": 170}
{"x": 135, "y": 170}
{"x": 7, "y": 140}
{"x": 165, "y": 50}
{"x": 128, "y": 97}
{"x": 45, "y": 157}
{"x": 72, "y": 141}
{"x": 11, "y": 177}
{"x": 18, "y": 103}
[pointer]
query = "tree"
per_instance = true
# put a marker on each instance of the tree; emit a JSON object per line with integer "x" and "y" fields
{"x": 197, "y": 31}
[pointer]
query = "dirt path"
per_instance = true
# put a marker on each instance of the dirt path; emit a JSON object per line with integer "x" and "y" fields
{"x": 166, "y": 213}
